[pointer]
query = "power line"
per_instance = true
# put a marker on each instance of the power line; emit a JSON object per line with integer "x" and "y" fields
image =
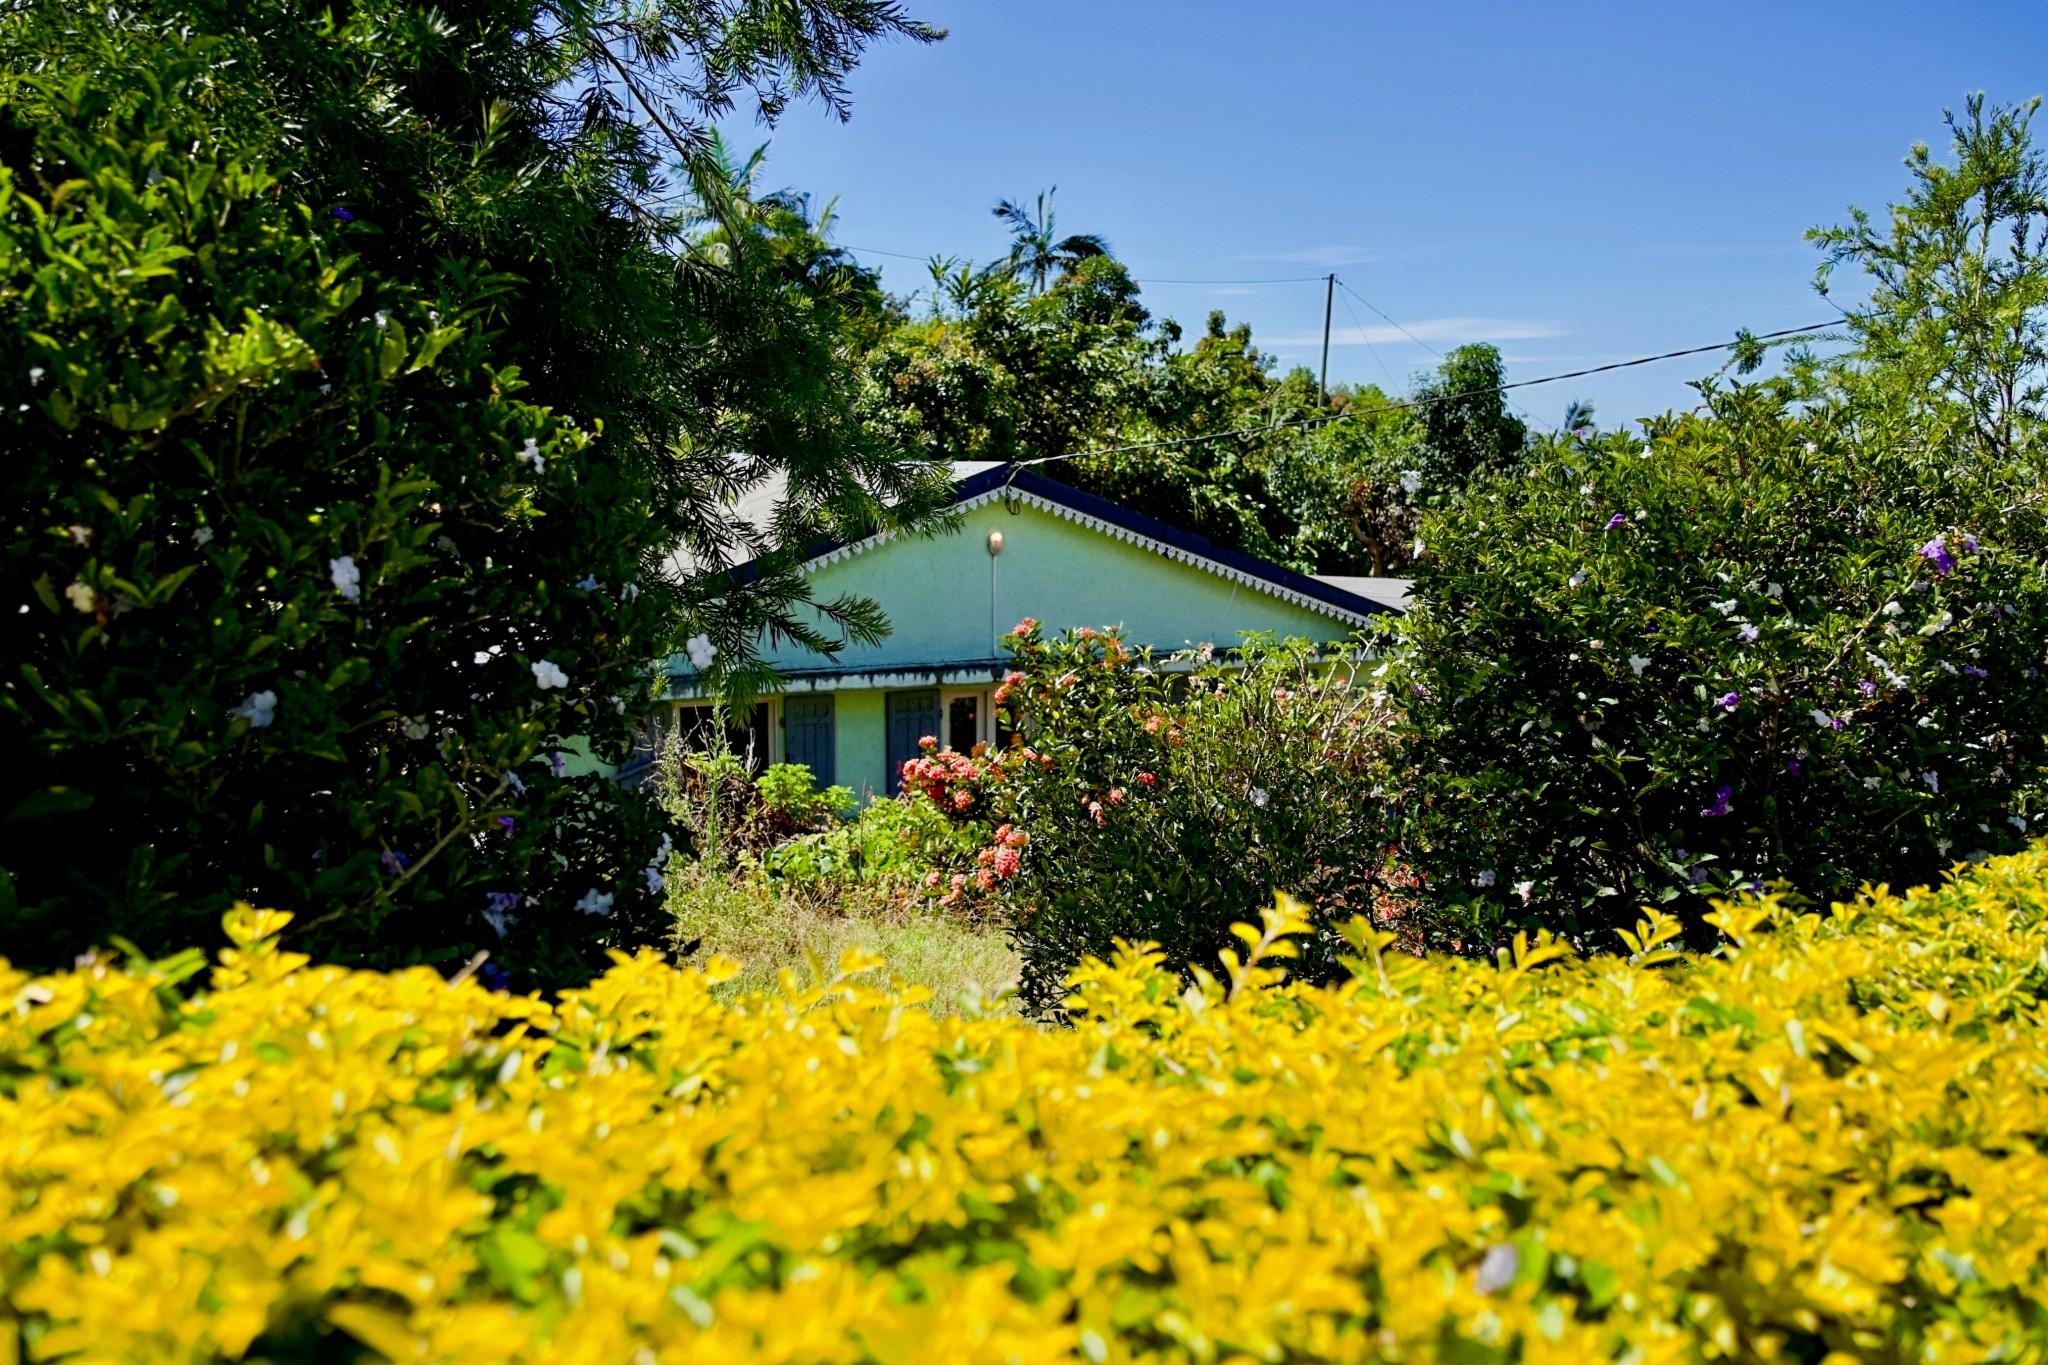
{"x": 1419, "y": 402}
{"x": 1390, "y": 322}
{"x": 1370, "y": 349}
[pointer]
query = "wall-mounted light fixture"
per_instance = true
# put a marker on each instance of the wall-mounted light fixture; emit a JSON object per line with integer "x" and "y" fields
{"x": 995, "y": 542}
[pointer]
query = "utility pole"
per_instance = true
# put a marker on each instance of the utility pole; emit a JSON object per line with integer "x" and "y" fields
{"x": 1323, "y": 377}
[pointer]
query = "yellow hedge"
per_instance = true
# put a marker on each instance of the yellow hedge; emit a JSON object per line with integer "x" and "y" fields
{"x": 1828, "y": 1137}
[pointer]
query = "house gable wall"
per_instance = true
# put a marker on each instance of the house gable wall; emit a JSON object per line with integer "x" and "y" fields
{"x": 950, "y": 601}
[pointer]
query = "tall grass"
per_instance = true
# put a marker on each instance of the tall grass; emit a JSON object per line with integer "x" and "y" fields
{"x": 771, "y": 928}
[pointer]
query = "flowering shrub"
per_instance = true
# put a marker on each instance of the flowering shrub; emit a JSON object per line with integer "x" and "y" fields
{"x": 1821, "y": 1138}
{"x": 1766, "y": 644}
{"x": 1162, "y": 803}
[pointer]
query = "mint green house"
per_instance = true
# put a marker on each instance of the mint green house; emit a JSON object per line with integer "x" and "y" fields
{"x": 1025, "y": 546}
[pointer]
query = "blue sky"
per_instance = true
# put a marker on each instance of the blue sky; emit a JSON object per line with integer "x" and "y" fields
{"x": 1576, "y": 182}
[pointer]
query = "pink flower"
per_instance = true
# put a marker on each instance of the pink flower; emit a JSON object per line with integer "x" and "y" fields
{"x": 962, "y": 800}
{"x": 1012, "y": 678}
{"x": 1146, "y": 779}
{"x": 928, "y": 742}
{"x": 1008, "y": 860}
{"x": 932, "y": 880}
{"x": 985, "y": 880}
{"x": 959, "y": 880}
{"x": 1152, "y": 724}
{"x": 1069, "y": 679}
{"x": 1025, "y": 626}
{"x": 1116, "y": 796}
{"x": 1086, "y": 632}
{"x": 1095, "y": 812}
{"x": 1017, "y": 838}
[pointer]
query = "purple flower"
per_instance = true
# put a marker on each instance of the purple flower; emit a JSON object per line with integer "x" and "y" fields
{"x": 1699, "y": 874}
{"x": 1792, "y": 766}
{"x": 1867, "y": 688}
{"x": 505, "y": 822}
{"x": 1936, "y": 553}
{"x": 1729, "y": 701}
{"x": 1616, "y": 521}
{"x": 342, "y": 214}
{"x": 1747, "y": 634}
{"x": 1723, "y": 797}
{"x": 1969, "y": 543}
{"x": 394, "y": 861}
{"x": 556, "y": 763}
{"x": 494, "y": 977}
{"x": 1975, "y": 671}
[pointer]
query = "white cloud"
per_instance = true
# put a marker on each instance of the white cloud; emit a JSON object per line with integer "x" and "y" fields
{"x": 1453, "y": 330}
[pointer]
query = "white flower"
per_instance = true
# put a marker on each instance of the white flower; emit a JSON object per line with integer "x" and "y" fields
{"x": 595, "y": 902}
{"x": 258, "y": 708}
{"x": 1821, "y": 718}
{"x": 530, "y": 452}
{"x": 1642, "y": 514}
{"x": 82, "y": 596}
{"x": 546, "y": 674}
{"x": 1523, "y": 889}
{"x": 1576, "y": 579}
{"x": 414, "y": 728}
{"x": 590, "y": 583}
{"x": 1418, "y": 547}
{"x": 203, "y": 536}
{"x": 656, "y": 883}
{"x": 1812, "y": 449}
{"x": 1873, "y": 783}
{"x": 1411, "y": 481}
{"x": 1260, "y": 797}
{"x": 35, "y": 374}
{"x": 1774, "y": 591}
{"x": 1638, "y": 662}
{"x": 1891, "y": 608}
{"x": 512, "y": 781}
{"x": 1943, "y": 845}
{"x": 629, "y": 592}
{"x": 1497, "y": 1268}
{"x": 1485, "y": 878}
{"x": 1725, "y": 608}
{"x": 1586, "y": 490}
{"x": 2018, "y": 822}
{"x": 1932, "y": 779}
{"x": 347, "y": 577}
{"x": 701, "y": 651}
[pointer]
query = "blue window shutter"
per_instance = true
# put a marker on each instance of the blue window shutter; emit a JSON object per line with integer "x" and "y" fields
{"x": 807, "y": 735}
{"x": 912, "y": 716}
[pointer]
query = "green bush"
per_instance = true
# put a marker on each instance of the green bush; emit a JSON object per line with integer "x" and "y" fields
{"x": 1163, "y": 803}
{"x": 1758, "y": 647}
{"x": 903, "y": 841}
{"x": 362, "y": 399}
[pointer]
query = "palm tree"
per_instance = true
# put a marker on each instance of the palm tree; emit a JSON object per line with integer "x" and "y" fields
{"x": 1035, "y": 244}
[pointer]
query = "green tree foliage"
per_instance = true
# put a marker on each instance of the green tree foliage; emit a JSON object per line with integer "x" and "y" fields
{"x": 372, "y": 374}
{"x": 1798, "y": 635}
{"x": 1049, "y": 355}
